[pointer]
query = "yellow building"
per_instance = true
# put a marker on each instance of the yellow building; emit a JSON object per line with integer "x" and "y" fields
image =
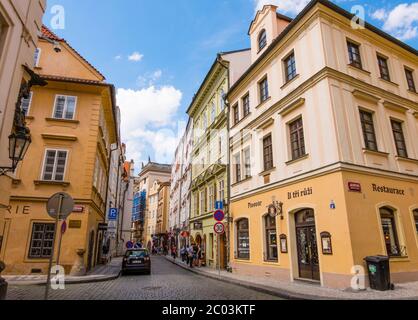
{"x": 210, "y": 153}
{"x": 162, "y": 230}
{"x": 72, "y": 122}
{"x": 20, "y": 23}
{"x": 325, "y": 159}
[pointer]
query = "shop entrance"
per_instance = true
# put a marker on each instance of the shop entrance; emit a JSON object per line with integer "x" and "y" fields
{"x": 307, "y": 247}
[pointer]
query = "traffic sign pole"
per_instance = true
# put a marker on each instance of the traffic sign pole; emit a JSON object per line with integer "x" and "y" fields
{"x": 48, "y": 281}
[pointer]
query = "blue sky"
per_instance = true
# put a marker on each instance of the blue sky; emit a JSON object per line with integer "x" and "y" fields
{"x": 158, "y": 52}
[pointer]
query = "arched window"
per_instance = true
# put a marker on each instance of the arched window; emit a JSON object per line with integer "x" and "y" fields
{"x": 416, "y": 218}
{"x": 243, "y": 239}
{"x": 271, "y": 238}
{"x": 262, "y": 40}
{"x": 387, "y": 215}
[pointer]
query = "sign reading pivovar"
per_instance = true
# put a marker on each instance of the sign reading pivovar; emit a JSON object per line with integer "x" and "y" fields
{"x": 219, "y": 228}
{"x": 113, "y": 214}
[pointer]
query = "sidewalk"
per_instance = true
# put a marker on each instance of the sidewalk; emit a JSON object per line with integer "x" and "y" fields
{"x": 100, "y": 273}
{"x": 304, "y": 291}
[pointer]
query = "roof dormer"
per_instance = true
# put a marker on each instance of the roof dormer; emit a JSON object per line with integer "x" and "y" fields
{"x": 266, "y": 26}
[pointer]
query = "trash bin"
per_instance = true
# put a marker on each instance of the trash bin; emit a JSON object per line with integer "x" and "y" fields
{"x": 379, "y": 272}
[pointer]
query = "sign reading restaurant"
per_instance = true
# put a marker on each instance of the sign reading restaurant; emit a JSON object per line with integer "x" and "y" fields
{"x": 384, "y": 189}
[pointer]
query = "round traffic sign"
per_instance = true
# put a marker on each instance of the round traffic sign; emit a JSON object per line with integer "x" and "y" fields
{"x": 219, "y": 215}
{"x": 129, "y": 245}
{"x": 219, "y": 228}
{"x": 61, "y": 204}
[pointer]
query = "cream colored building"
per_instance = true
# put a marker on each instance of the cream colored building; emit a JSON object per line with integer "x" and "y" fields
{"x": 20, "y": 23}
{"x": 323, "y": 142}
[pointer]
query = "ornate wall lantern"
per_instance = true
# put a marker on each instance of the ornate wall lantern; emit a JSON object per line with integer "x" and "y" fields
{"x": 276, "y": 209}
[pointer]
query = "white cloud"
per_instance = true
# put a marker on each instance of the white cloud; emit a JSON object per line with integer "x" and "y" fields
{"x": 118, "y": 57}
{"x": 401, "y": 21}
{"x": 148, "y": 115}
{"x": 149, "y": 79}
{"x": 136, "y": 57}
{"x": 285, "y": 6}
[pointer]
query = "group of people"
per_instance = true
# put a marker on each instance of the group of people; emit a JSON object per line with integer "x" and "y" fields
{"x": 192, "y": 255}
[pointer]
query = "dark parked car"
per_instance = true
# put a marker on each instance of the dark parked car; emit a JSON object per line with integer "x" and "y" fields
{"x": 136, "y": 260}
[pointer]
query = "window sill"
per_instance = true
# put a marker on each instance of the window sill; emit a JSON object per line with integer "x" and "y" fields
{"x": 241, "y": 120}
{"x": 412, "y": 91}
{"x": 263, "y": 103}
{"x": 267, "y": 172}
{"x": 271, "y": 262}
{"x": 51, "y": 183}
{"x": 304, "y": 157}
{"x": 29, "y": 117}
{"x": 376, "y": 153}
{"x": 289, "y": 81}
{"x": 399, "y": 259}
{"x": 241, "y": 182}
{"x": 240, "y": 260}
{"x": 389, "y": 82}
{"x": 406, "y": 159}
{"x": 351, "y": 66}
{"x": 62, "y": 120}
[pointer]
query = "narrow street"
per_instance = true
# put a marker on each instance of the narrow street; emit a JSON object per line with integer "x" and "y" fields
{"x": 167, "y": 282}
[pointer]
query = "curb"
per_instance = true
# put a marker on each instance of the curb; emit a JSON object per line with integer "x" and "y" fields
{"x": 281, "y": 293}
{"x": 67, "y": 282}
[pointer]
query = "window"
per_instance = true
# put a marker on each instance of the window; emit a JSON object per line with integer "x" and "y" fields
{"x": 42, "y": 240}
{"x": 221, "y": 190}
{"x": 264, "y": 90}
{"x": 212, "y": 112}
{"x": 246, "y": 105}
{"x": 416, "y": 219}
{"x": 268, "y": 153}
{"x": 237, "y": 166}
{"x": 54, "y": 165}
{"x": 26, "y": 103}
{"x": 205, "y": 121}
{"x": 368, "y": 130}
{"x": 262, "y": 40}
{"x": 211, "y": 198}
{"x": 290, "y": 67}
{"x": 271, "y": 238}
{"x": 383, "y": 67}
{"x": 410, "y": 80}
{"x": 243, "y": 237}
{"x": 297, "y": 139}
{"x": 235, "y": 113}
{"x": 37, "y": 56}
{"x": 221, "y": 99}
{"x": 65, "y": 107}
{"x": 203, "y": 203}
{"x": 389, "y": 232}
{"x": 247, "y": 163}
{"x": 354, "y": 54}
{"x": 196, "y": 203}
{"x": 399, "y": 139}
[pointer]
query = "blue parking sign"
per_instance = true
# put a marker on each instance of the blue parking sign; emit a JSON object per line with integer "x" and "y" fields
{"x": 219, "y": 205}
{"x": 113, "y": 214}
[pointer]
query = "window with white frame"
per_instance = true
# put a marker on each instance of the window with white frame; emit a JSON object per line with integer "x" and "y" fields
{"x": 65, "y": 107}
{"x": 237, "y": 167}
{"x": 203, "y": 202}
{"x": 37, "y": 56}
{"x": 54, "y": 165}
{"x": 247, "y": 163}
{"x": 26, "y": 103}
{"x": 222, "y": 99}
{"x": 221, "y": 190}
{"x": 212, "y": 112}
{"x": 211, "y": 198}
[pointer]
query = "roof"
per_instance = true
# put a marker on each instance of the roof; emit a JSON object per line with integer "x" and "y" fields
{"x": 301, "y": 15}
{"x": 47, "y": 33}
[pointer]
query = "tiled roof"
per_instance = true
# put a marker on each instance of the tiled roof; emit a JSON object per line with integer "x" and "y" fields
{"x": 46, "y": 32}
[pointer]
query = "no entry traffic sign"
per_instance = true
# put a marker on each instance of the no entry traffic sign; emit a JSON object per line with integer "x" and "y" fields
{"x": 219, "y": 228}
{"x": 219, "y": 215}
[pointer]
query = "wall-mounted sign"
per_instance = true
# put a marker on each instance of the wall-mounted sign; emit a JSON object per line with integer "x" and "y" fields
{"x": 283, "y": 243}
{"x": 113, "y": 214}
{"x": 102, "y": 226}
{"x": 300, "y": 193}
{"x": 255, "y": 204}
{"x": 198, "y": 226}
{"x": 384, "y": 189}
{"x": 354, "y": 187}
{"x": 74, "y": 224}
{"x": 332, "y": 205}
{"x": 326, "y": 243}
{"x": 78, "y": 209}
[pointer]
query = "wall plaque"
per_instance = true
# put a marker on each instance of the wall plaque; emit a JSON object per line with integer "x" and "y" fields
{"x": 74, "y": 224}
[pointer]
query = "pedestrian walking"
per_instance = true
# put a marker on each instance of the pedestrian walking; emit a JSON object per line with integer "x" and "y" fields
{"x": 174, "y": 252}
{"x": 199, "y": 256}
{"x": 190, "y": 256}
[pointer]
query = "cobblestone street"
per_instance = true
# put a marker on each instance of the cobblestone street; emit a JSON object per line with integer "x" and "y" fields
{"x": 167, "y": 282}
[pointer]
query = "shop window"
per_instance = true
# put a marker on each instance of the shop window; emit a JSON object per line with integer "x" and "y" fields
{"x": 383, "y": 67}
{"x": 297, "y": 139}
{"x": 271, "y": 238}
{"x": 410, "y": 80}
{"x": 42, "y": 240}
{"x": 399, "y": 138}
{"x": 390, "y": 233}
{"x": 54, "y": 165}
{"x": 262, "y": 40}
{"x": 354, "y": 54}
{"x": 243, "y": 239}
{"x": 416, "y": 219}
{"x": 369, "y": 133}
{"x": 65, "y": 107}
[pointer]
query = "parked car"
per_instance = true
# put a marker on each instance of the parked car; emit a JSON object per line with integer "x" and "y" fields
{"x": 136, "y": 260}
